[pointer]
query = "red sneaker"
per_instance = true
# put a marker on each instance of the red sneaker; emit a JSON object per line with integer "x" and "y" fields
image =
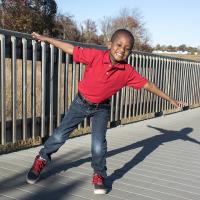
{"x": 99, "y": 185}
{"x": 34, "y": 173}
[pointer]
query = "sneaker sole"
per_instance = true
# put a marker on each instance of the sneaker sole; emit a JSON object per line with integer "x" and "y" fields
{"x": 31, "y": 181}
{"x": 99, "y": 191}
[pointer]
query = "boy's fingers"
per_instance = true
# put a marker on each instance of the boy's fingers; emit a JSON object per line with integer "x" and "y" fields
{"x": 179, "y": 104}
{"x": 183, "y": 103}
{"x": 35, "y": 35}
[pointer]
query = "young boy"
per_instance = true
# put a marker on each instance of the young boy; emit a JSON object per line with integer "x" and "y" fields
{"x": 106, "y": 72}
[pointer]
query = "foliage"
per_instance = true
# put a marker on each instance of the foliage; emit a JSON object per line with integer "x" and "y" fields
{"x": 182, "y": 47}
{"x": 89, "y": 32}
{"x": 131, "y": 20}
{"x": 41, "y": 16}
{"x": 28, "y": 15}
{"x": 66, "y": 28}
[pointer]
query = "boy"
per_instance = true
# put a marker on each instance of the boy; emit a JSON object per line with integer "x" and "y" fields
{"x": 106, "y": 72}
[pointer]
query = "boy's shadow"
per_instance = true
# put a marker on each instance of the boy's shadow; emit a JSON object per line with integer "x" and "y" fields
{"x": 149, "y": 145}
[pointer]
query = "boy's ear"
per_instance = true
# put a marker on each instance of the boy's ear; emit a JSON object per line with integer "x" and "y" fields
{"x": 109, "y": 44}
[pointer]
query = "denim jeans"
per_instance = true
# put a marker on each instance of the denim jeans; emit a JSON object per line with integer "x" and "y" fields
{"x": 76, "y": 113}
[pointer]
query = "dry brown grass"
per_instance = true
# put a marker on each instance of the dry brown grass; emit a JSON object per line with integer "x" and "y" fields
{"x": 187, "y": 56}
{"x": 19, "y": 94}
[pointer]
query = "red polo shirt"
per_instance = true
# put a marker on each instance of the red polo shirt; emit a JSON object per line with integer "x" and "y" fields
{"x": 102, "y": 79}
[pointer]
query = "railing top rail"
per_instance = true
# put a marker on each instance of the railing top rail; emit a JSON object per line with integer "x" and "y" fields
{"x": 29, "y": 37}
{"x": 164, "y": 56}
{"x": 15, "y": 33}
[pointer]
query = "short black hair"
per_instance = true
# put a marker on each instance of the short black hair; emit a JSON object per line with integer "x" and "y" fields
{"x": 123, "y": 32}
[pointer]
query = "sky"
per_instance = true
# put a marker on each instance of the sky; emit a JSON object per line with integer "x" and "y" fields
{"x": 168, "y": 22}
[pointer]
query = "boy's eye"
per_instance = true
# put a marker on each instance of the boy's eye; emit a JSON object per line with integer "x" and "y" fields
{"x": 127, "y": 49}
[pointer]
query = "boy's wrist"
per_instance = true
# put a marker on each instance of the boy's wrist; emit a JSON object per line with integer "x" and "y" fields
{"x": 46, "y": 39}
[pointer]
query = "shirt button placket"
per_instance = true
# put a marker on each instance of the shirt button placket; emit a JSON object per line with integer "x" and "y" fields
{"x": 107, "y": 73}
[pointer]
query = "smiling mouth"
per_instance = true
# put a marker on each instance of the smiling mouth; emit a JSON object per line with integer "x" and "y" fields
{"x": 120, "y": 55}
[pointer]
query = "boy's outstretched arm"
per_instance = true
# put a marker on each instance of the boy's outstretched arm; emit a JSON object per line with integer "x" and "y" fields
{"x": 66, "y": 47}
{"x": 151, "y": 87}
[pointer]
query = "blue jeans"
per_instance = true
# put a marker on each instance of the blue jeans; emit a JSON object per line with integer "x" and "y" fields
{"x": 77, "y": 112}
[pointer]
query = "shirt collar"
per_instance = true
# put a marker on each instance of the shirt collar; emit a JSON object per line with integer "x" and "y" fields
{"x": 106, "y": 60}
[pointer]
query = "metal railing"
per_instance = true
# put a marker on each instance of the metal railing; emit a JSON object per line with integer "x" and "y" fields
{"x": 46, "y": 79}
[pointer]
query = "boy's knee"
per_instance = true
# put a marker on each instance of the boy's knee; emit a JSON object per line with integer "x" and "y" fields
{"x": 98, "y": 148}
{"x": 58, "y": 138}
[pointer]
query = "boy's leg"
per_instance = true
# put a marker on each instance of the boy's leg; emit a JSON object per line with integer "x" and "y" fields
{"x": 99, "y": 149}
{"x": 61, "y": 134}
{"x": 71, "y": 120}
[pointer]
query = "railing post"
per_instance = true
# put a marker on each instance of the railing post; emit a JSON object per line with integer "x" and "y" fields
{"x": 52, "y": 91}
{"x": 33, "y": 88}
{"x": 24, "y": 88}
{"x": 14, "y": 88}
{"x": 3, "y": 90}
{"x": 43, "y": 90}
{"x": 57, "y": 87}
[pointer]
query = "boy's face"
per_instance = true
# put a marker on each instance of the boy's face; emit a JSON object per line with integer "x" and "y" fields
{"x": 120, "y": 49}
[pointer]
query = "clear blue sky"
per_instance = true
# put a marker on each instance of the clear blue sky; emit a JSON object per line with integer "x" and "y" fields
{"x": 169, "y": 22}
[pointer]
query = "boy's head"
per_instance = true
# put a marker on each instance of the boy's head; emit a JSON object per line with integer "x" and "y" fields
{"x": 120, "y": 46}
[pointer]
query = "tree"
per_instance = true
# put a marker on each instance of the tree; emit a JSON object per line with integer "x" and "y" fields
{"x": 106, "y": 29}
{"x": 47, "y": 10}
{"x": 66, "y": 28}
{"x": 13, "y": 12}
{"x": 28, "y": 15}
{"x": 130, "y": 20}
{"x": 182, "y": 47}
{"x": 89, "y": 31}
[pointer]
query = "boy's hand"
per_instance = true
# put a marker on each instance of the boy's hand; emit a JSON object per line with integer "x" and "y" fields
{"x": 177, "y": 104}
{"x": 38, "y": 37}
{"x": 66, "y": 47}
